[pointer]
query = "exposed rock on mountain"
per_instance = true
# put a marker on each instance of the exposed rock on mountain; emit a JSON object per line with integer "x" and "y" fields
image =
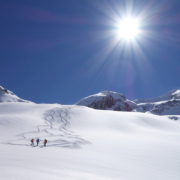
{"x": 168, "y": 107}
{"x": 108, "y": 100}
{"x": 8, "y": 96}
{"x": 169, "y": 104}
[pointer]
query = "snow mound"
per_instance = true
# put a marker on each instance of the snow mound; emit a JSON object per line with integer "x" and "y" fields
{"x": 8, "y": 96}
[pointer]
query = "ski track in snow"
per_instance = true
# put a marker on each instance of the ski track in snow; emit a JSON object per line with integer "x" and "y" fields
{"x": 55, "y": 132}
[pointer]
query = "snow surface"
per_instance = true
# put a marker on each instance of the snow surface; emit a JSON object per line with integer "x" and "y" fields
{"x": 84, "y": 143}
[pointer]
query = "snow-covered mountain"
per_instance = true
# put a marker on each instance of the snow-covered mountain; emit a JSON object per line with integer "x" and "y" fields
{"x": 167, "y": 104}
{"x": 108, "y": 100}
{"x": 167, "y": 107}
{"x": 8, "y": 96}
{"x": 171, "y": 107}
{"x": 171, "y": 95}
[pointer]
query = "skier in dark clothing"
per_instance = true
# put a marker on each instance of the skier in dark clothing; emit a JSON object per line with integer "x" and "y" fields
{"x": 32, "y": 142}
{"x": 37, "y": 141}
{"x": 45, "y": 141}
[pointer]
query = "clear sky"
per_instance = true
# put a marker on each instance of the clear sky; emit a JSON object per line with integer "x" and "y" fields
{"x": 59, "y": 51}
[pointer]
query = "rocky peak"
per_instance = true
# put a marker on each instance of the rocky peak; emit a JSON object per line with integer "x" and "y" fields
{"x": 108, "y": 100}
{"x": 3, "y": 90}
{"x": 8, "y": 96}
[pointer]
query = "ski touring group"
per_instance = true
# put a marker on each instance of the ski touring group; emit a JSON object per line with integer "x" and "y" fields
{"x": 37, "y": 141}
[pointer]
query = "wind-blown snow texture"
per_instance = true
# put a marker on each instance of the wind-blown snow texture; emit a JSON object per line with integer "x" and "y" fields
{"x": 84, "y": 143}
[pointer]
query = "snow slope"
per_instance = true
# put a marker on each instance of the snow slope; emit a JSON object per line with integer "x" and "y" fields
{"x": 8, "y": 96}
{"x": 84, "y": 143}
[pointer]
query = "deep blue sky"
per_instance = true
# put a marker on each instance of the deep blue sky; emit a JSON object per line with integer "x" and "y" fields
{"x": 60, "y": 51}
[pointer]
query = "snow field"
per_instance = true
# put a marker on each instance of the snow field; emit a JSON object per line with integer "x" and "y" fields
{"x": 84, "y": 143}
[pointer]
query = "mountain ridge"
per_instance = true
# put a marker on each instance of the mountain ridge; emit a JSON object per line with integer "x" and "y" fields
{"x": 9, "y": 96}
{"x": 168, "y": 103}
{"x": 173, "y": 94}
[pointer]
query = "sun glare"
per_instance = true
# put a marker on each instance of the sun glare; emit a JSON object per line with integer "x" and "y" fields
{"x": 128, "y": 28}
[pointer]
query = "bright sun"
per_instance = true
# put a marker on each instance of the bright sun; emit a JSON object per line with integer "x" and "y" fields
{"x": 128, "y": 28}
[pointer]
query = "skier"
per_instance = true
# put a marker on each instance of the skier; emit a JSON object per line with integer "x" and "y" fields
{"x": 45, "y": 141}
{"x": 32, "y": 142}
{"x": 37, "y": 140}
